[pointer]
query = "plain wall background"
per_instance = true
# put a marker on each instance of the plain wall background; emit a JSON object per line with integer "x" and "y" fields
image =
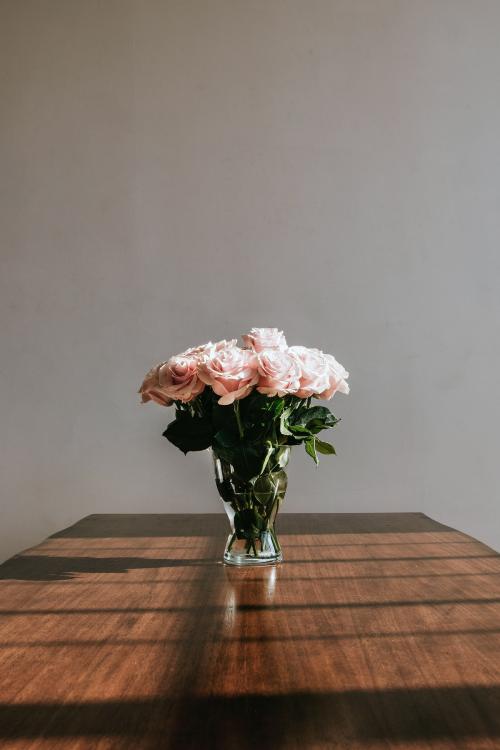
{"x": 178, "y": 171}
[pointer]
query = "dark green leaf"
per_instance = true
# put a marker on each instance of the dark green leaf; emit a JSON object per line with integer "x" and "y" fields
{"x": 295, "y": 440}
{"x": 223, "y": 419}
{"x": 326, "y": 448}
{"x": 248, "y": 523}
{"x": 311, "y": 449}
{"x": 227, "y": 439}
{"x": 314, "y": 419}
{"x": 264, "y": 489}
{"x": 298, "y": 429}
{"x": 249, "y": 459}
{"x": 190, "y": 433}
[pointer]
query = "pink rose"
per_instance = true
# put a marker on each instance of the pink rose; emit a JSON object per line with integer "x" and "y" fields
{"x": 231, "y": 372}
{"x": 208, "y": 348}
{"x": 174, "y": 380}
{"x": 151, "y": 390}
{"x": 197, "y": 351}
{"x": 279, "y": 372}
{"x": 337, "y": 376}
{"x": 265, "y": 338}
{"x": 223, "y": 344}
{"x": 314, "y": 371}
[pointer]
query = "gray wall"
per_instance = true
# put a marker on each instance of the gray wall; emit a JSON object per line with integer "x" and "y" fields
{"x": 176, "y": 171}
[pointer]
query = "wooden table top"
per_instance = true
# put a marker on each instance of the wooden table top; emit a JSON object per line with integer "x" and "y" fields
{"x": 126, "y": 631}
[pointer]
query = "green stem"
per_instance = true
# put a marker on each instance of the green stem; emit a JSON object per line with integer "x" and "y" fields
{"x": 236, "y": 405}
{"x": 275, "y": 538}
{"x": 231, "y": 542}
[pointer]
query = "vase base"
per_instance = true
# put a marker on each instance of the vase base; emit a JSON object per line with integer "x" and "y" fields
{"x": 245, "y": 560}
{"x": 264, "y": 550}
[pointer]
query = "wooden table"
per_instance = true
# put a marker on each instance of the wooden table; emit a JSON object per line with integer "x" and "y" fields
{"x": 126, "y": 631}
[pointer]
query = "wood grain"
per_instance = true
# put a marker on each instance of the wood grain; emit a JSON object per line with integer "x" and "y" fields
{"x": 378, "y": 631}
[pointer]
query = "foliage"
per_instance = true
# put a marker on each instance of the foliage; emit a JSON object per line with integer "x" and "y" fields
{"x": 251, "y": 434}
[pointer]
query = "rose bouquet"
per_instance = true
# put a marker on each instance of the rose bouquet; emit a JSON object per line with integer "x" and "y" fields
{"x": 249, "y": 405}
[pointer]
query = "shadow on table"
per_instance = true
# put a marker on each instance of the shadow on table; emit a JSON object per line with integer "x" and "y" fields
{"x": 278, "y": 721}
{"x": 51, "y": 568}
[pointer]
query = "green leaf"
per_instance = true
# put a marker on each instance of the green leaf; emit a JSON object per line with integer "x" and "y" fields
{"x": 279, "y": 458}
{"x": 264, "y": 489}
{"x": 320, "y": 412}
{"x": 270, "y": 450}
{"x": 276, "y": 406}
{"x": 295, "y": 440}
{"x": 315, "y": 426}
{"x": 224, "y": 419}
{"x": 298, "y": 429}
{"x": 326, "y": 448}
{"x": 314, "y": 419}
{"x": 226, "y": 490}
{"x": 310, "y": 446}
{"x": 190, "y": 433}
{"x": 284, "y": 420}
{"x": 226, "y": 439}
{"x": 248, "y": 458}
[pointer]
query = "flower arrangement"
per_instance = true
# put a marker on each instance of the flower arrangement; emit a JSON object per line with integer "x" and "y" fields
{"x": 249, "y": 405}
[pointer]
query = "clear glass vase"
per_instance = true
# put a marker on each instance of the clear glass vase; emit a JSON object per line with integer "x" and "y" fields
{"x": 251, "y": 507}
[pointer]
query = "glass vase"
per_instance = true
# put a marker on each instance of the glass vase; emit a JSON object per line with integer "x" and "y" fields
{"x": 252, "y": 507}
